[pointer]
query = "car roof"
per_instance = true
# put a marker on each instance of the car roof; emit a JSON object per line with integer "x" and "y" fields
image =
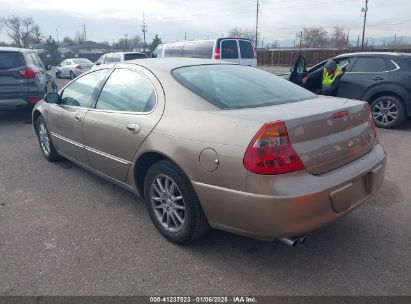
{"x": 14, "y": 49}
{"x": 373, "y": 54}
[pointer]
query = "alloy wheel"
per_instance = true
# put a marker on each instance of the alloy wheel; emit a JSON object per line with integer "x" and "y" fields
{"x": 44, "y": 138}
{"x": 168, "y": 203}
{"x": 385, "y": 112}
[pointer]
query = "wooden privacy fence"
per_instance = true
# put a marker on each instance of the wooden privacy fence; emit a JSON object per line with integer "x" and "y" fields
{"x": 288, "y": 57}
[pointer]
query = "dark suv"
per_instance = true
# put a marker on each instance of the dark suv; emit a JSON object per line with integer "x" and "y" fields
{"x": 24, "y": 80}
{"x": 382, "y": 79}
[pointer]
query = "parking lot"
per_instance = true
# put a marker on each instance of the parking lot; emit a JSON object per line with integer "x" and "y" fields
{"x": 65, "y": 231}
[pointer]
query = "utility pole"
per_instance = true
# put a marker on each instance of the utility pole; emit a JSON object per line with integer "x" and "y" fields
{"x": 395, "y": 40}
{"x": 85, "y": 33}
{"x": 185, "y": 35}
{"x": 256, "y": 24}
{"x": 364, "y": 10}
{"x": 57, "y": 32}
{"x": 144, "y": 30}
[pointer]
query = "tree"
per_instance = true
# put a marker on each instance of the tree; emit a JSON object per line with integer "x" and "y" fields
{"x": 37, "y": 33}
{"x": 21, "y": 30}
{"x": 52, "y": 46}
{"x": 313, "y": 37}
{"x": 68, "y": 40}
{"x": 156, "y": 41}
{"x": 243, "y": 33}
{"x": 338, "y": 38}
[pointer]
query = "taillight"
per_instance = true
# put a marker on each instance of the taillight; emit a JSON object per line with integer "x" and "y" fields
{"x": 34, "y": 99}
{"x": 217, "y": 53}
{"x": 255, "y": 53}
{"x": 28, "y": 73}
{"x": 371, "y": 120}
{"x": 79, "y": 67}
{"x": 270, "y": 151}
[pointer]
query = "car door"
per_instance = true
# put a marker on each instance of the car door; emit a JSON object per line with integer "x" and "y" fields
{"x": 127, "y": 109}
{"x": 65, "y": 119}
{"x": 229, "y": 50}
{"x": 247, "y": 56}
{"x": 365, "y": 73}
{"x": 299, "y": 71}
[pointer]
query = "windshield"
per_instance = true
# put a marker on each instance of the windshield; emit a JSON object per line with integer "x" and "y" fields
{"x": 81, "y": 60}
{"x": 236, "y": 87}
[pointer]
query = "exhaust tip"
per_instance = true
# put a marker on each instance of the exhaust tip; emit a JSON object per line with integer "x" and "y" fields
{"x": 294, "y": 241}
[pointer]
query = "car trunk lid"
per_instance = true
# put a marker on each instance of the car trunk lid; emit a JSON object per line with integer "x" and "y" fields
{"x": 326, "y": 132}
{"x": 11, "y": 82}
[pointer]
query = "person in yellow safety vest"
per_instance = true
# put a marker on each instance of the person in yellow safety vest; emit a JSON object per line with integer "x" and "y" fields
{"x": 327, "y": 78}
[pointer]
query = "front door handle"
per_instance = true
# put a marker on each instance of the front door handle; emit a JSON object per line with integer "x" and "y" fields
{"x": 78, "y": 117}
{"x": 379, "y": 78}
{"x": 133, "y": 128}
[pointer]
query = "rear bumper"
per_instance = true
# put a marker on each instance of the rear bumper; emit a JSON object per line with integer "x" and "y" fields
{"x": 306, "y": 202}
{"x": 20, "y": 101}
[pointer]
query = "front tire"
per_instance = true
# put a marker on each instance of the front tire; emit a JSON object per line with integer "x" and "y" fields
{"x": 388, "y": 112}
{"x": 173, "y": 205}
{"x": 46, "y": 145}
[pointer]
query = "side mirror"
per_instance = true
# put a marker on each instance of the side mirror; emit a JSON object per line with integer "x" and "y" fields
{"x": 98, "y": 63}
{"x": 48, "y": 67}
{"x": 52, "y": 98}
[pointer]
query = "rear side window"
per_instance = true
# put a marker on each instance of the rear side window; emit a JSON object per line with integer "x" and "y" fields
{"x": 175, "y": 50}
{"x": 9, "y": 60}
{"x": 134, "y": 56}
{"x": 198, "y": 49}
{"x": 369, "y": 65}
{"x": 127, "y": 91}
{"x": 229, "y": 49}
{"x": 79, "y": 92}
{"x": 246, "y": 49}
{"x": 236, "y": 87}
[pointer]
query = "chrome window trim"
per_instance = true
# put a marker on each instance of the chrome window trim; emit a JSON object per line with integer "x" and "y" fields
{"x": 126, "y": 112}
{"x": 120, "y": 160}
{"x": 396, "y": 69}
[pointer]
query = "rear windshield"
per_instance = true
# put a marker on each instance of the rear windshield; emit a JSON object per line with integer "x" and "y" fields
{"x": 246, "y": 49}
{"x": 9, "y": 60}
{"x": 236, "y": 87}
{"x": 81, "y": 60}
{"x": 229, "y": 49}
{"x": 134, "y": 56}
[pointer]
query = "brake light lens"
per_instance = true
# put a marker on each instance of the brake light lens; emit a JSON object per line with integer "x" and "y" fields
{"x": 34, "y": 99}
{"x": 371, "y": 120}
{"x": 217, "y": 53}
{"x": 270, "y": 151}
{"x": 79, "y": 67}
{"x": 29, "y": 73}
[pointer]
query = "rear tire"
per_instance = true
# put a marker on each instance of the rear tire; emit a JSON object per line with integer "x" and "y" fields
{"x": 58, "y": 75}
{"x": 72, "y": 76}
{"x": 388, "y": 112}
{"x": 46, "y": 145}
{"x": 172, "y": 204}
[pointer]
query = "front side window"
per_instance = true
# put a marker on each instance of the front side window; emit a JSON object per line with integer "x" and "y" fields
{"x": 127, "y": 91}
{"x": 369, "y": 65}
{"x": 236, "y": 87}
{"x": 79, "y": 92}
{"x": 229, "y": 49}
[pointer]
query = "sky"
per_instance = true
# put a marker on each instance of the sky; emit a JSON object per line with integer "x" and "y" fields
{"x": 200, "y": 19}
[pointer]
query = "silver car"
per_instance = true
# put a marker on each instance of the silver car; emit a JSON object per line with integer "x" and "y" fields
{"x": 71, "y": 68}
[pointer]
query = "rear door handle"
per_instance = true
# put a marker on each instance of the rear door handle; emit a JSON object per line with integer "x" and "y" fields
{"x": 379, "y": 78}
{"x": 133, "y": 128}
{"x": 78, "y": 117}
